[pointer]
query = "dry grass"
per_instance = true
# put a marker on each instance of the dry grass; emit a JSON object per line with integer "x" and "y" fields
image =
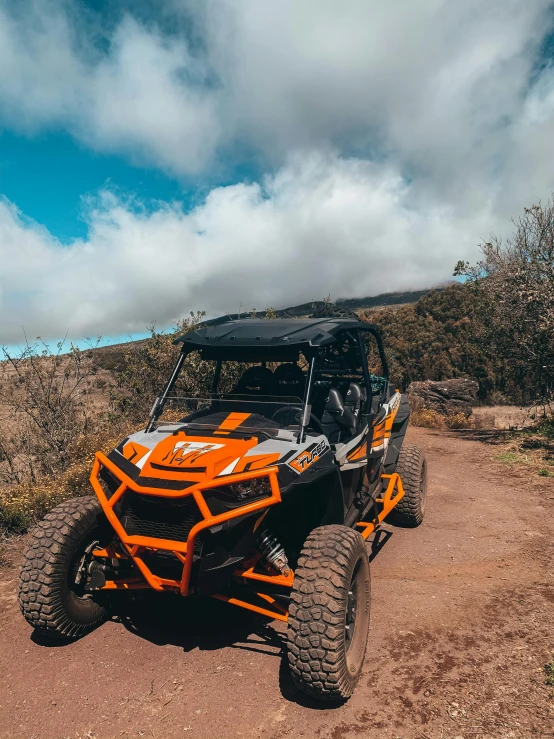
{"x": 531, "y": 448}
{"x": 524, "y": 442}
{"x": 5, "y": 540}
{"x": 507, "y": 416}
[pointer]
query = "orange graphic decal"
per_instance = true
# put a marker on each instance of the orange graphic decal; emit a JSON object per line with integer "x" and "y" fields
{"x": 232, "y": 421}
{"x": 134, "y": 452}
{"x": 359, "y": 452}
{"x": 256, "y": 462}
{"x": 180, "y": 457}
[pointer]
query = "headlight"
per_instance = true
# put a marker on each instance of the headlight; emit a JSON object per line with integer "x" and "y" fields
{"x": 259, "y": 487}
{"x": 227, "y": 497}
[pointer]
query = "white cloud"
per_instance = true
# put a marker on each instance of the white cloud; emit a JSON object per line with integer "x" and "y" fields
{"x": 145, "y": 97}
{"x": 322, "y": 224}
{"x": 430, "y": 83}
{"x": 442, "y": 106}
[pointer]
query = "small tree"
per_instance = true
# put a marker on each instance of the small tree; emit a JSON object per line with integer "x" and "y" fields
{"x": 514, "y": 286}
{"x": 147, "y": 366}
{"x": 43, "y": 393}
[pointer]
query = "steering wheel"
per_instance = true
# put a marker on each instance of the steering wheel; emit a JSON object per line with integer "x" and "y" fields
{"x": 291, "y": 415}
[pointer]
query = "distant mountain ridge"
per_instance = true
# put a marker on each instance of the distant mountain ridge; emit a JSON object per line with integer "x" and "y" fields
{"x": 110, "y": 357}
{"x": 355, "y": 304}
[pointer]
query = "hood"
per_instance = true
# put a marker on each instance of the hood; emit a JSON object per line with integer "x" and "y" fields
{"x": 176, "y": 456}
{"x": 198, "y": 458}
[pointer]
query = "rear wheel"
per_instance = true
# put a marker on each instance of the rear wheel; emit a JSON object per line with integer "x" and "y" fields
{"x": 412, "y": 469}
{"x": 52, "y": 595}
{"x": 329, "y": 613}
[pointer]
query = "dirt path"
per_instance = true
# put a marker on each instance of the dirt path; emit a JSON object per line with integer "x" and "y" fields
{"x": 461, "y": 630}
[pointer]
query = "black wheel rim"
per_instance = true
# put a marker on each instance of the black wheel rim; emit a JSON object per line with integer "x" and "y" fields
{"x": 351, "y": 608}
{"x": 80, "y": 561}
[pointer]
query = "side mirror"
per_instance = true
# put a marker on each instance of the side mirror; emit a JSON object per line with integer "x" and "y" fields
{"x": 380, "y": 416}
{"x": 333, "y": 404}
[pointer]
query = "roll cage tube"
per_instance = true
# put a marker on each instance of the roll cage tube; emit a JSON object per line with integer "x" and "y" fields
{"x": 306, "y": 407}
{"x": 380, "y": 347}
{"x": 158, "y": 406}
{"x": 365, "y": 370}
{"x": 217, "y": 375}
{"x": 355, "y": 336}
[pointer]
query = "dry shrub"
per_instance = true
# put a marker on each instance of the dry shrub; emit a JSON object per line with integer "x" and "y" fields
{"x": 50, "y": 432}
{"x": 513, "y": 285}
{"x": 53, "y": 425}
{"x": 427, "y": 418}
{"x": 49, "y": 412}
{"x": 146, "y": 366}
{"x": 431, "y": 419}
{"x": 23, "y": 504}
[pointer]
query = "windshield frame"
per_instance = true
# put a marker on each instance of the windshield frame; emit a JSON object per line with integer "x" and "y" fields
{"x": 240, "y": 414}
{"x": 159, "y": 404}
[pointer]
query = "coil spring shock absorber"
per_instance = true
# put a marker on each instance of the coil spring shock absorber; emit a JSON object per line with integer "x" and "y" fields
{"x": 273, "y": 553}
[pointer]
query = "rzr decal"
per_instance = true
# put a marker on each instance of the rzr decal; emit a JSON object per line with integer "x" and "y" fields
{"x": 310, "y": 455}
{"x": 187, "y": 452}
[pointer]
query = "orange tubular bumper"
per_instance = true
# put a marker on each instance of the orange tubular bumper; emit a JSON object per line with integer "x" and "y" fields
{"x": 135, "y": 545}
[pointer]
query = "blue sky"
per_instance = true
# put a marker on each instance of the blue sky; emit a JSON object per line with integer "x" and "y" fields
{"x": 157, "y": 158}
{"x": 49, "y": 174}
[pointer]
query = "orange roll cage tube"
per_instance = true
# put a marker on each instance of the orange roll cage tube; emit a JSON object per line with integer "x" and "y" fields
{"x": 135, "y": 545}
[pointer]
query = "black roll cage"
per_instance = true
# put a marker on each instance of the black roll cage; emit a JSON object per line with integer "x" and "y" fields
{"x": 312, "y": 353}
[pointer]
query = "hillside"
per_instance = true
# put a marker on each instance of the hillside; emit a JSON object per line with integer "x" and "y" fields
{"x": 429, "y": 334}
{"x": 355, "y": 304}
{"x": 110, "y": 357}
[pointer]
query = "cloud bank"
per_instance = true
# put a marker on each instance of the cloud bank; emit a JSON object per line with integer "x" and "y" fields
{"x": 395, "y": 136}
{"x": 322, "y": 224}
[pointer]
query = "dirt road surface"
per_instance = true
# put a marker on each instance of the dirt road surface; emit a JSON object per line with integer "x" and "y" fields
{"x": 461, "y": 630}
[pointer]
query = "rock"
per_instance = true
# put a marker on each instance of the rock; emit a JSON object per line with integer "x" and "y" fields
{"x": 445, "y": 396}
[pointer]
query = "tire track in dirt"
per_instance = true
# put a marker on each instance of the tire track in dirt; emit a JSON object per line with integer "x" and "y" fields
{"x": 461, "y": 629}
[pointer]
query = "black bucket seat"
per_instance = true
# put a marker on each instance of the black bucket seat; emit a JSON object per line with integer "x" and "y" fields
{"x": 290, "y": 380}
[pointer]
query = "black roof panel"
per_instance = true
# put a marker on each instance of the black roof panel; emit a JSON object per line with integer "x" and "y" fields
{"x": 277, "y": 333}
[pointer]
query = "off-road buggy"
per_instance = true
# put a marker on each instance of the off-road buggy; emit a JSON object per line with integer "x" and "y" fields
{"x": 261, "y": 495}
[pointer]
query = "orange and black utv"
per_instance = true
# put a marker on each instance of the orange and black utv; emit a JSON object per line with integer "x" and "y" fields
{"x": 261, "y": 494}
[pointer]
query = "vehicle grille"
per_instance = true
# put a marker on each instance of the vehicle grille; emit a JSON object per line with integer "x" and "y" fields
{"x": 163, "y": 564}
{"x": 161, "y": 518}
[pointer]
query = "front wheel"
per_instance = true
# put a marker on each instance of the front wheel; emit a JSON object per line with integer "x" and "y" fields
{"x": 329, "y": 613}
{"x": 51, "y": 592}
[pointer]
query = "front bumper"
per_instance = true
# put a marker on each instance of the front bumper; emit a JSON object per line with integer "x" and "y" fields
{"x": 136, "y": 546}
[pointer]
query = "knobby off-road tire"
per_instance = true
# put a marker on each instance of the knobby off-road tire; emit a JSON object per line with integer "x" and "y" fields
{"x": 329, "y": 613}
{"x": 49, "y": 598}
{"x": 412, "y": 469}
